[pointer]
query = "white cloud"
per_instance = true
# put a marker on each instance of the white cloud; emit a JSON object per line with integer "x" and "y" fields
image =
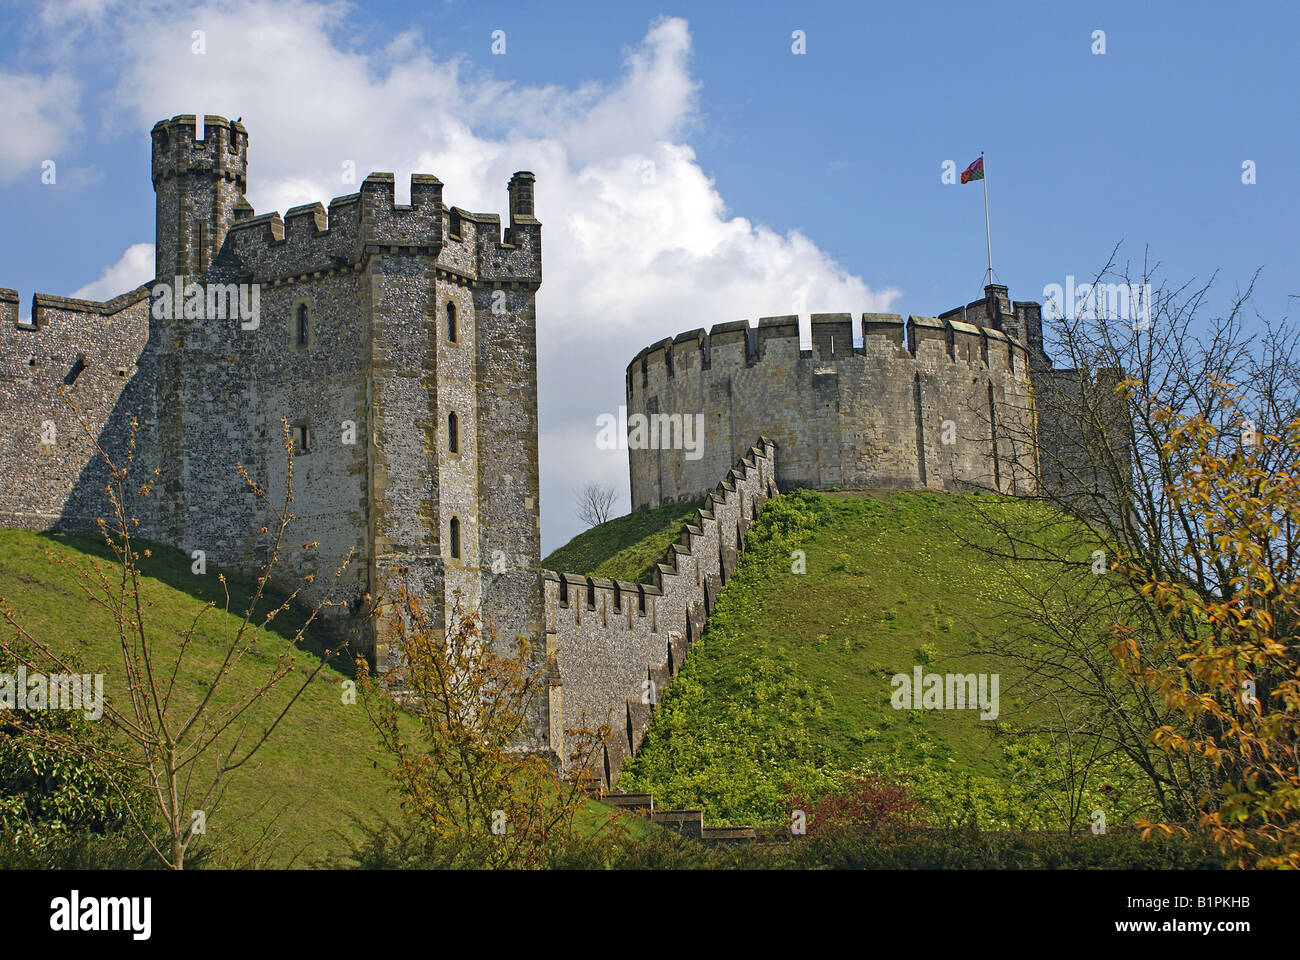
{"x": 135, "y": 268}
{"x": 60, "y": 13}
{"x": 638, "y": 244}
{"x": 38, "y": 114}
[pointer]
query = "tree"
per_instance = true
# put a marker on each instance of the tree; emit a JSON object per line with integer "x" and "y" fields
{"x": 177, "y": 750}
{"x": 1108, "y": 474}
{"x": 1230, "y": 661}
{"x": 595, "y": 502}
{"x": 475, "y": 797}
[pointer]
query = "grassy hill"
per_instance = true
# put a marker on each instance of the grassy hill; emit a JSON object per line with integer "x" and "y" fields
{"x": 790, "y": 683}
{"x": 322, "y": 767}
{"x": 625, "y": 548}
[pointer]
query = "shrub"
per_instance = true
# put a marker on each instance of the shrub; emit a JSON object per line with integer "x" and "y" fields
{"x": 872, "y": 801}
{"x": 965, "y": 848}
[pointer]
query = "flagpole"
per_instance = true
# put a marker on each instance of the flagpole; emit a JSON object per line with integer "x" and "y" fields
{"x": 988, "y": 236}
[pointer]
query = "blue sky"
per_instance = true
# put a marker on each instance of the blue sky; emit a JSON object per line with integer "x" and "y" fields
{"x": 783, "y": 183}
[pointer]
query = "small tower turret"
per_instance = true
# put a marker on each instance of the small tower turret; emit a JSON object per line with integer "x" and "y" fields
{"x": 199, "y": 184}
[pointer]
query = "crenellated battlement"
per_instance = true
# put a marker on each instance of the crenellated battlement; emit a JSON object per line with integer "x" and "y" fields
{"x": 872, "y": 401}
{"x": 221, "y": 153}
{"x": 206, "y": 225}
{"x": 386, "y": 222}
{"x": 105, "y": 336}
{"x": 670, "y": 566}
{"x": 45, "y": 306}
{"x": 739, "y": 344}
{"x": 306, "y": 240}
{"x": 614, "y": 646}
{"x": 397, "y": 340}
{"x": 310, "y": 239}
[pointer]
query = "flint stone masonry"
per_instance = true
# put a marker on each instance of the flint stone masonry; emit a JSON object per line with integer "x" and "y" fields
{"x": 373, "y": 386}
{"x": 370, "y": 388}
{"x": 931, "y": 403}
{"x": 615, "y": 646}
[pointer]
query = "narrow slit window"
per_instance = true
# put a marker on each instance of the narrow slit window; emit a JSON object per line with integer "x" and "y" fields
{"x": 304, "y": 326}
{"x": 301, "y": 439}
{"x": 455, "y": 538}
{"x": 451, "y": 323}
{"x": 453, "y": 433}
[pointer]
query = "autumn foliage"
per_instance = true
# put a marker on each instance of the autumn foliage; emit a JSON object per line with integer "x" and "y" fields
{"x": 1229, "y": 665}
{"x": 477, "y": 798}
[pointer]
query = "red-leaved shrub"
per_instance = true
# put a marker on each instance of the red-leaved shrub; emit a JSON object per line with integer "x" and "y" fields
{"x": 869, "y": 801}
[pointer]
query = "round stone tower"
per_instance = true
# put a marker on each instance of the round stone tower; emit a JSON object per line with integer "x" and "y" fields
{"x": 200, "y": 184}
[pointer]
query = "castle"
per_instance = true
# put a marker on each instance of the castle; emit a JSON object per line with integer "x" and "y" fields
{"x": 399, "y": 342}
{"x": 941, "y": 403}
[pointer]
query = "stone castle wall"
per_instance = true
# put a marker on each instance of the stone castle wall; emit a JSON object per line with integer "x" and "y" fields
{"x": 615, "y": 646}
{"x": 88, "y": 349}
{"x": 375, "y": 387}
{"x": 383, "y": 377}
{"x": 930, "y": 403}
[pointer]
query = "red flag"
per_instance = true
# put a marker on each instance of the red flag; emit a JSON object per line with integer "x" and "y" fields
{"x": 974, "y": 172}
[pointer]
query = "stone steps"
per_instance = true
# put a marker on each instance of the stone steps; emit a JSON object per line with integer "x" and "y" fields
{"x": 728, "y": 834}
{"x": 640, "y": 803}
{"x": 688, "y": 823}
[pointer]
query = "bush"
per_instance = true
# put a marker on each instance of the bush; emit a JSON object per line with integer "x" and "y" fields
{"x": 964, "y": 848}
{"x": 79, "y": 849}
{"x": 46, "y": 788}
{"x": 870, "y": 801}
{"x": 832, "y": 848}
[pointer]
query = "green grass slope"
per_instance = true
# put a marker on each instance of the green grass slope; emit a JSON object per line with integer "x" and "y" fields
{"x": 625, "y": 548}
{"x": 322, "y": 768}
{"x": 790, "y": 683}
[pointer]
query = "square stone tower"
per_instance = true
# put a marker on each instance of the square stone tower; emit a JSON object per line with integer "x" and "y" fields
{"x": 398, "y": 343}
